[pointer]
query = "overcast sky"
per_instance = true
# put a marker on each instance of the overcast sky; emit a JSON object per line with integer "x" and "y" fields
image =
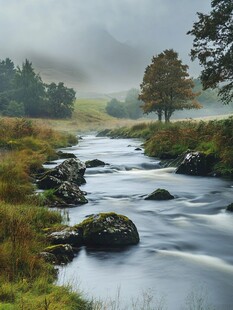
{"x": 96, "y": 44}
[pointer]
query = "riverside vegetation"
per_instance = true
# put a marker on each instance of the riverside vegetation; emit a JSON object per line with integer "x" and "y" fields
{"x": 168, "y": 141}
{"x": 26, "y": 279}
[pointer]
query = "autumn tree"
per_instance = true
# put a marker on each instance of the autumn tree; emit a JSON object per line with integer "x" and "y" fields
{"x": 213, "y": 46}
{"x": 166, "y": 86}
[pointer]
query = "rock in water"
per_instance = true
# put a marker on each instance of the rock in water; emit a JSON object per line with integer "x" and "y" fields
{"x": 63, "y": 155}
{"x": 109, "y": 229}
{"x": 230, "y": 207}
{"x": 196, "y": 163}
{"x": 68, "y": 235}
{"x": 71, "y": 170}
{"x": 70, "y": 193}
{"x": 160, "y": 194}
{"x": 62, "y": 252}
{"x": 94, "y": 163}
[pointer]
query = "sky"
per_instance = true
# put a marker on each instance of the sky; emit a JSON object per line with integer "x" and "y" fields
{"x": 96, "y": 45}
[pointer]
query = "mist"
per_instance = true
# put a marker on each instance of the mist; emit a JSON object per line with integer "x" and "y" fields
{"x": 96, "y": 45}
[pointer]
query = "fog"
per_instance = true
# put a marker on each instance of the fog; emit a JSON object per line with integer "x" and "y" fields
{"x": 96, "y": 45}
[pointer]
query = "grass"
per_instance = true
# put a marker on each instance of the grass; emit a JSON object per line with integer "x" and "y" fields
{"x": 89, "y": 115}
{"x": 26, "y": 279}
{"x": 214, "y": 137}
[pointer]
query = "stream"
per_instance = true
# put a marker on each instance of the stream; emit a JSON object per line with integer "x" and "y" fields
{"x": 185, "y": 252}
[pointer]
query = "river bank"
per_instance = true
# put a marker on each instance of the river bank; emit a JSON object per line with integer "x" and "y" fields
{"x": 168, "y": 141}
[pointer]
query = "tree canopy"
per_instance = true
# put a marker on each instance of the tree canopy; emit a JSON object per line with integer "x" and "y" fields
{"x": 29, "y": 89}
{"x": 166, "y": 86}
{"x": 213, "y": 46}
{"x": 22, "y": 92}
{"x": 61, "y": 100}
{"x": 116, "y": 108}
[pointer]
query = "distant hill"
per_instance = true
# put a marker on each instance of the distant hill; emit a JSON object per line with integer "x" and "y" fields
{"x": 100, "y": 63}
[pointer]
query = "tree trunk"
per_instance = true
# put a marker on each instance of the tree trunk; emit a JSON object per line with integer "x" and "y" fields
{"x": 160, "y": 116}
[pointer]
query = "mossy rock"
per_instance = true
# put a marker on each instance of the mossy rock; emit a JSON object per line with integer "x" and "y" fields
{"x": 197, "y": 164}
{"x": 71, "y": 170}
{"x": 70, "y": 193}
{"x": 94, "y": 163}
{"x": 63, "y": 155}
{"x": 71, "y": 236}
{"x": 230, "y": 207}
{"x": 109, "y": 229}
{"x": 48, "y": 182}
{"x": 160, "y": 194}
{"x": 63, "y": 252}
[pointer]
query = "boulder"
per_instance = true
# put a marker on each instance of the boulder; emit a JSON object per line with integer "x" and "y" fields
{"x": 94, "y": 163}
{"x": 197, "y": 163}
{"x": 63, "y": 155}
{"x": 48, "y": 182}
{"x": 230, "y": 207}
{"x": 109, "y": 229}
{"x": 68, "y": 235}
{"x": 71, "y": 170}
{"x": 62, "y": 252}
{"x": 138, "y": 149}
{"x": 48, "y": 257}
{"x": 160, "y": 194}
{"x": 70, "y": 193}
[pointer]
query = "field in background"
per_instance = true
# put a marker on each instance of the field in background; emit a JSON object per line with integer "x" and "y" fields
{"x": 90, "y": 115}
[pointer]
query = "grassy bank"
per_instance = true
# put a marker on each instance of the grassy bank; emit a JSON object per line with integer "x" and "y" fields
{"x": 26, "y": 280}
{"x": 173, "y": 139}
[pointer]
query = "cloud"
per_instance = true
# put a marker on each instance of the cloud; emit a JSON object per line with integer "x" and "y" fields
{"x": 84, "y": 34}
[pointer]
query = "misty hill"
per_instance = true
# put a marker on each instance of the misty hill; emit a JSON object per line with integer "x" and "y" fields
{"x": 100, "y": 63}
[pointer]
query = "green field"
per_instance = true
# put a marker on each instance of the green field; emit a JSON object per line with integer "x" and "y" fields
{"x": 88, "y": 115}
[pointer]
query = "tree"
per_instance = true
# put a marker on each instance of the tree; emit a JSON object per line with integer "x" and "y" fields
{"x": 60, "y": 100}
{"x": 30, "y": 90}
{"x": 116, "y": 108}
{"x": 166, "y": 86}
{"x": 7, "y": 74}
{"x": 133, "y": 104}
{"x": 213, "y": 46}
{"x": 14, "y": 109}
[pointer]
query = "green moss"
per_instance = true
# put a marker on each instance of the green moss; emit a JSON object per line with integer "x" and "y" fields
{"x": 98, "y": 220}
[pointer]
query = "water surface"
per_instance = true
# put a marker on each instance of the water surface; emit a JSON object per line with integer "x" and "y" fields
{"x": 185, "y": 244}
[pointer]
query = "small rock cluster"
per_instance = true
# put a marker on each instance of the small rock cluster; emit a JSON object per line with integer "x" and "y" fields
{"x": 64, "y": 180}
{"x": 106, "y": 230}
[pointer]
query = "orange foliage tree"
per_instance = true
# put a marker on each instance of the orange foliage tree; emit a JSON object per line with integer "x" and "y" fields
{"x": 166, "y": 86}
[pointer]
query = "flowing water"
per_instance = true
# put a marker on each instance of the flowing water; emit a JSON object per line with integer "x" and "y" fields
{"x": 185, "y": 247}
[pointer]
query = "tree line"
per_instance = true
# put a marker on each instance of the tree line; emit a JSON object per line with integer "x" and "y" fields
{"x": 23, "y": 93}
